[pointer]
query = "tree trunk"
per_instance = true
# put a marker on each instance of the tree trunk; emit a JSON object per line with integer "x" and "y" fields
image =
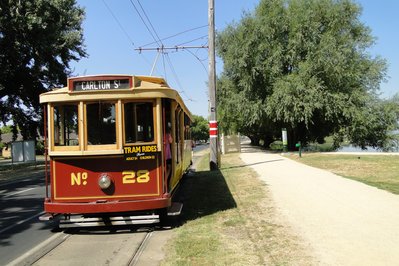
{"x": 254, "y": 140}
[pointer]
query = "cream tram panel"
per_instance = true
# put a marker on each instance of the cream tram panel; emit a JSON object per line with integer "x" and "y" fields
{"x": 143, "y": 88}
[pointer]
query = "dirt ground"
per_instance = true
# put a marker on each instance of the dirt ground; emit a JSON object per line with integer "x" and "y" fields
{"x": 343, "y": 222}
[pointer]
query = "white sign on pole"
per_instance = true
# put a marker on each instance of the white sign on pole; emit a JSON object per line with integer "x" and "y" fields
{"x": 23, "y": 151}
{"x": 17, "y": 151}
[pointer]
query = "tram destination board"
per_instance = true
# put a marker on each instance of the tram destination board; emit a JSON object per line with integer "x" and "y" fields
{"x": 98, "y": 84}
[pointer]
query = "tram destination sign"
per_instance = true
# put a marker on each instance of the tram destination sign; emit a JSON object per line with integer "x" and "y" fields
{"x": 100, "y": 84}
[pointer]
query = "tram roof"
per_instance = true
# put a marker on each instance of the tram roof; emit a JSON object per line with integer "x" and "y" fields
{"x": 112, "y": 87}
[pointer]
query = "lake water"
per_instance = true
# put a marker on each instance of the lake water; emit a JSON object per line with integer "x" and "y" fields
{"x": 351, "y": 148}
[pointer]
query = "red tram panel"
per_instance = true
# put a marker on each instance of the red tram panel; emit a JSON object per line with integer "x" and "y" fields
{"x": 76, "y": 180}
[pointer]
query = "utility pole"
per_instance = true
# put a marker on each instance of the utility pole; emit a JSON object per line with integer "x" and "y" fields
{"x": 213, "y": 125}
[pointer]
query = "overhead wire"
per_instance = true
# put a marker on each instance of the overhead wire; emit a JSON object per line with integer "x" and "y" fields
{"x": 118, "y": 22}
{"x": 158, "y": 40}
{"x": 123, "y": 30}
{"x": 193, "y": 40}
{"x": 177, "y": 79}
{"x": 199, "y": 60}
{"x": 151, "y": 29}
{"x": 149, "y": 21}
{"x": 174, "y": 35}
{"x": 145, "y": 24}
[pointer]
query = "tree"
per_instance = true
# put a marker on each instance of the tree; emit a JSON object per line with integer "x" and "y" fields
{"x": 199, "y": 128}
{"x": 38, "y": 39}
{"x": 302, "y": 65}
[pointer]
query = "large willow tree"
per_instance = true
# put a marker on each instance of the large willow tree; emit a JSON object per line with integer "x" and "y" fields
{"x": 302, "y": 65}
{"x": 38, "y": 39}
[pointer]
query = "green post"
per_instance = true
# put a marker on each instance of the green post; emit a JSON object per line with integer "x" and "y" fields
{"x": 299, "y": 146}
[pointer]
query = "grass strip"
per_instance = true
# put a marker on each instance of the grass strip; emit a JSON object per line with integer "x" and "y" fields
{"x": 381, "y": 171}
{"x": 229, "y": 219}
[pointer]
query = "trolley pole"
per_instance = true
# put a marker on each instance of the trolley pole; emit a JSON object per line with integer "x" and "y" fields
{"x": 213, "y": 126}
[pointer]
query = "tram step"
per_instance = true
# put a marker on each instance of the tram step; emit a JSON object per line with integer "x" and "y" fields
{"x": 175, "y": 209}
{"x": 46, "y": 217}
{"x": 80, "y": 221}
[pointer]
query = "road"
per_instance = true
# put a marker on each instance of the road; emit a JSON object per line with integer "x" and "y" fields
{"x": 21, "y": 203}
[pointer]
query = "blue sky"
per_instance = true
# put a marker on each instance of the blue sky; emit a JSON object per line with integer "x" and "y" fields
{"x": 113, "y": 30}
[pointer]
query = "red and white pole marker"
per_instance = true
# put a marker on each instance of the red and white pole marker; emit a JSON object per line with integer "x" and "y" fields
{"x": 213, "y": 129}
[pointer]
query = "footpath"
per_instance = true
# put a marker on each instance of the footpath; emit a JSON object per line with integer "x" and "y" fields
{"x": 343, "y": 222}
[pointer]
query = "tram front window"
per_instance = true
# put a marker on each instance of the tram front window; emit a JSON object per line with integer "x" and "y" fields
{"x": 101, "y": 123}
{"x": 66, "y": 125}
{"x": 139, "y": 124}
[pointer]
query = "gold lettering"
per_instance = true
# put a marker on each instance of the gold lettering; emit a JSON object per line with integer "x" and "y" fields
{"x": 84, "y": 177}
{"x": 143, "y": 176}
{"x": 128, "y": 177}
{"x": 75, "y": 179}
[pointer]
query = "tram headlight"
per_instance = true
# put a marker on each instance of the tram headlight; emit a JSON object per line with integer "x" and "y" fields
{"x": 104, "y": 181}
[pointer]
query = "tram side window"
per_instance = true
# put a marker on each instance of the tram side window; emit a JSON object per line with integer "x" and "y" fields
{"x": 66, "y": 125}
{"x": 101, "y": 123}
{"x": 177, "y": 131}
{"x": 139, "y": 124}
{"x": 187, "y": 124}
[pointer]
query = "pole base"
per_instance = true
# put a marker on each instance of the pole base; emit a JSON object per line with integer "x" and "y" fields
{"x": 213, "y": 166}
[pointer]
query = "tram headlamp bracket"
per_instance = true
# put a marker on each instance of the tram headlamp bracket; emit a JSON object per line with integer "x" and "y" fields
{"x": 104, "y": 181}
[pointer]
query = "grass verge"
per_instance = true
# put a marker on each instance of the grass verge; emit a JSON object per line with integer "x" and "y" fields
{"x": 376, "y": 170}
{"x": 229, "y": 219}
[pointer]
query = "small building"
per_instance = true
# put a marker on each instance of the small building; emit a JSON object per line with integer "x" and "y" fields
{"x": 6, "y": 139}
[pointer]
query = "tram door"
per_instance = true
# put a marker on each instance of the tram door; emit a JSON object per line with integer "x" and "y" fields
{"x": 168, "y": 140}
{"x": 173, "y": 142}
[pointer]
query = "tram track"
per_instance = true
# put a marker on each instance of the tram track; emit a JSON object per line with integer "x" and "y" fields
{"x": 124, "y": 247}
{"x": 140, "y": 249}
{"x": 40, "y": 251}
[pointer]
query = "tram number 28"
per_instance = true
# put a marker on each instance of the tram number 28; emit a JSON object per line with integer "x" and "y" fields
{"x": 128, "y": 177}
{"x": 131, "y": 177}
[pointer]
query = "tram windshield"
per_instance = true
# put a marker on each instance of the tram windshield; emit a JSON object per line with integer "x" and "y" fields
{"x": 139, "y": 122}
{"x": 101, "y": 123}
{"x": 66, "y": 125}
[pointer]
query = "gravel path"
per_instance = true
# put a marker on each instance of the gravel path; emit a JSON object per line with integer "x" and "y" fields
{"x": 343, "y": 221}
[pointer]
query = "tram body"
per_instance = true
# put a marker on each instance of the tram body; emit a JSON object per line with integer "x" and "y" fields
{"x": 107, "y": 138}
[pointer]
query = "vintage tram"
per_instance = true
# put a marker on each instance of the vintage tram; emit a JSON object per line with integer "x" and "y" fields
{"x": 118, "y": 147}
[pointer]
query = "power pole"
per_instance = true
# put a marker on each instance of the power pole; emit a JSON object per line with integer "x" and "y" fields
{"x": 213, "y": 125}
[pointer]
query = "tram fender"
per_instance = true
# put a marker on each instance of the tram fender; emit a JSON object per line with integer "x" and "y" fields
{"x": 108, "y": 206}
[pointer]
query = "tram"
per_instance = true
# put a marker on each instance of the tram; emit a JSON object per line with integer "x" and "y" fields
{"x": 118, "y": 147}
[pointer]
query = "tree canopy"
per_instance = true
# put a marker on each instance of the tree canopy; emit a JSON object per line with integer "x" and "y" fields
{"x": 38, "y": 39}
{"x": 303, "y": 65}
{"x": 199, "y": 128}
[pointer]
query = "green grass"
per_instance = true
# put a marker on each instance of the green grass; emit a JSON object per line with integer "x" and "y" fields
{"x": 381, "y": 171}
{"x": 229, "y": 219}
{"x": 313, "y": 146}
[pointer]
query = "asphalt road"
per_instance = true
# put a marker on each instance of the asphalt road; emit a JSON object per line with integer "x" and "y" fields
{"x": 21, "y": 203}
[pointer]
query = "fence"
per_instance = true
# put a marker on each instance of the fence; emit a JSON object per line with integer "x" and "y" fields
{"x": 230, "y": 143}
